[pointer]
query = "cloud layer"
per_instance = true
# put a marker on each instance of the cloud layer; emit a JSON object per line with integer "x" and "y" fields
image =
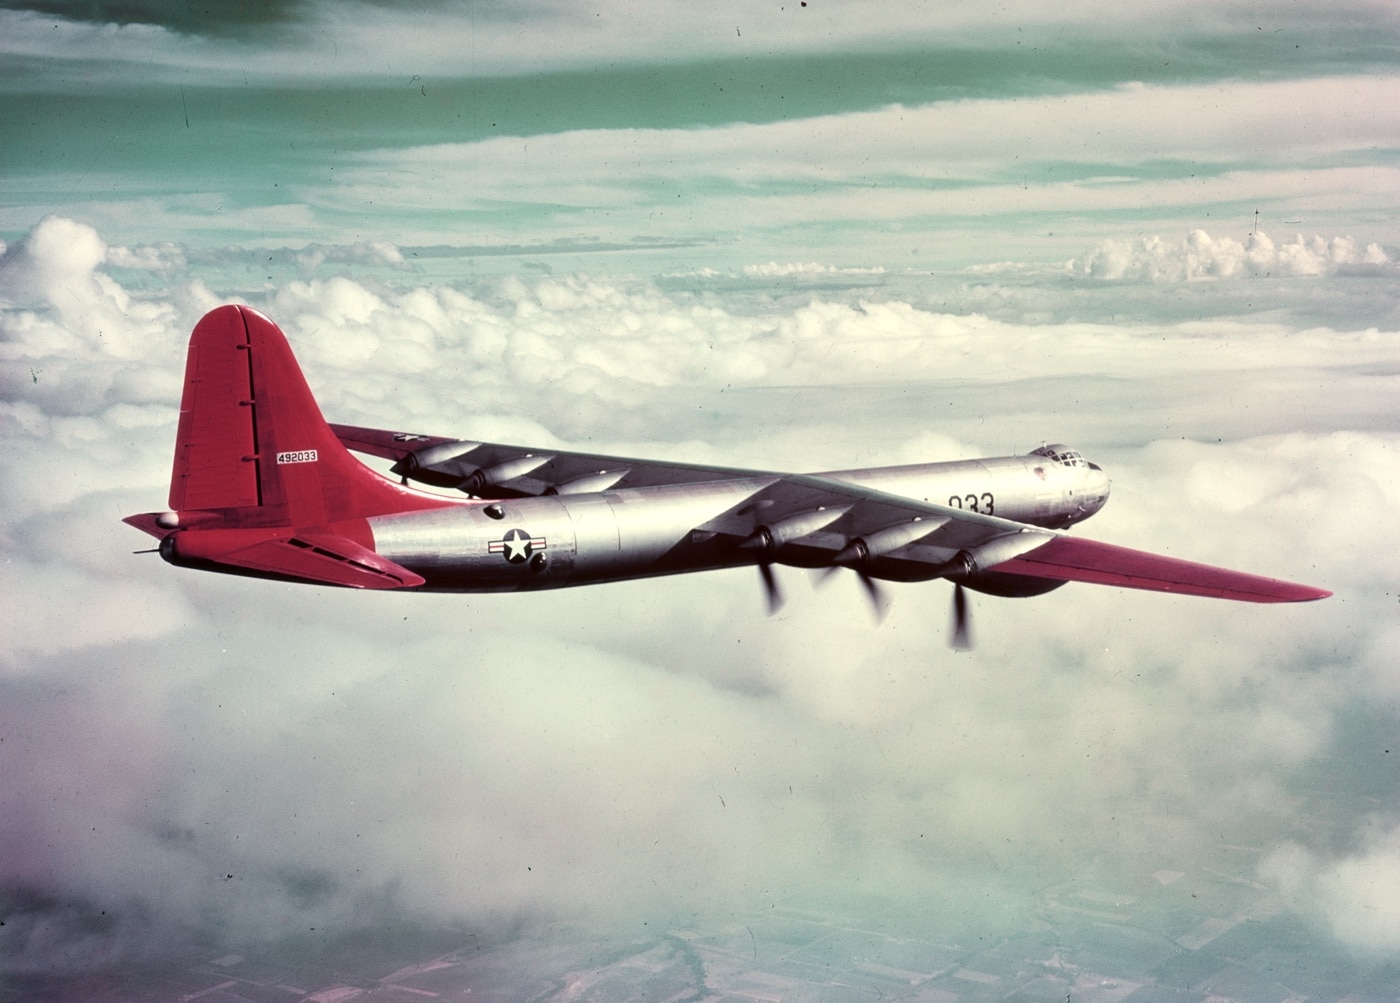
{"x": 1199, "y": 256}
{"x": 190, "y": 756}
{"x": 298, "y": 40}
{"x": 942, "y": 166}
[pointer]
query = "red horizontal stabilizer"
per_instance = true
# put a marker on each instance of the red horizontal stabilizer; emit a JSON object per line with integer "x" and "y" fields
{"x": 1071, "y": 559}
{"x": 328, "y": 560}
{"x": 324, "y": 558}
{"x": 381, "y": 442}
{"x": 146, "y": 523}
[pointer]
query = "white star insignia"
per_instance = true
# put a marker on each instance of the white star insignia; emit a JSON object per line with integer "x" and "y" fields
{"x": 517, "y": 545}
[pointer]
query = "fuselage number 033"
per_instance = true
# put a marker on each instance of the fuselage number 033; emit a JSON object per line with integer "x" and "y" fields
{"x": 983, "y": 503}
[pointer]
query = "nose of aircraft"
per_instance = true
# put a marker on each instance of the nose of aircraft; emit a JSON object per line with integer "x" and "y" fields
{"x": 1096, "y": 487}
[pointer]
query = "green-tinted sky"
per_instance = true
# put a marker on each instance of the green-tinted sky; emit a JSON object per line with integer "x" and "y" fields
{"x": 375, "y": 122}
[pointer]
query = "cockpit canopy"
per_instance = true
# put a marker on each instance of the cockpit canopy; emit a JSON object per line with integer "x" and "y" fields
{"x": 1059, "y": 453}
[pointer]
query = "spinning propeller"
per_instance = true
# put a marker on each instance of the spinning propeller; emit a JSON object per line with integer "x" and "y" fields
{"x": 770, "y": 586}
{"x": 879, "y": 598}
{"x": 761, "y": 542}
{"x": 855, "y": 555}
{"x": 960, "y": 638}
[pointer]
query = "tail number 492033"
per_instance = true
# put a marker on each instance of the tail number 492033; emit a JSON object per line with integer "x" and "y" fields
{"x": 297, "y": 456}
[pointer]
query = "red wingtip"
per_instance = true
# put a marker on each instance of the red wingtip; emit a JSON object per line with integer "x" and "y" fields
{"x": 1068, "y": 558}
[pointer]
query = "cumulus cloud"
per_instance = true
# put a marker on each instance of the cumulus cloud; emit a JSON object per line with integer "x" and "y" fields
{"x": 376, "y": 252}
{"x": 150, "y": 258}
{"x": 1356, "y": 895}
{"x": 1201, "y": 256}
{"x": 233, "y": 760}
{"x": 67, "y": 305}
{"x": 56, "y": 255}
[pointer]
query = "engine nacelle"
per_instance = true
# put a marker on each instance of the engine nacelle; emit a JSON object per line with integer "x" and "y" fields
{"x": 973, "y": 567}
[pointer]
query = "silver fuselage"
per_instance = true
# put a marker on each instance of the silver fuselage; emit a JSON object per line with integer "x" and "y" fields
{"x": 552, "y": 541}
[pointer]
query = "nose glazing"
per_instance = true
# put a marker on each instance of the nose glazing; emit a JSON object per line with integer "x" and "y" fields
{"x": 1096, "y": 487}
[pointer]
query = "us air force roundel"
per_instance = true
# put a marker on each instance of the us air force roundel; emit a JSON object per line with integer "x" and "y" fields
{"x": 517, "y": 546}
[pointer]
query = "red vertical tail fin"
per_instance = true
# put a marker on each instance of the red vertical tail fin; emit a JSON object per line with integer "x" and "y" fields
{"x": 251, "y": 435}
{"x": 261, "y": 485}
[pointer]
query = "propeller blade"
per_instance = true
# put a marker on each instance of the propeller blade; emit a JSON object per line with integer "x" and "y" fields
{"x": 770, "y": 587}
{"x": 961, "y": 639}
{"x": 878, "y": 599}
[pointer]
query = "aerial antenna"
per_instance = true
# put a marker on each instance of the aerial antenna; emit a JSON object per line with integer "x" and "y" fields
{"x": 1256, "y": 222}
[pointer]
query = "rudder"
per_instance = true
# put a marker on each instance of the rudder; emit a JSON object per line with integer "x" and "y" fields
{"x": 217, "y": 436}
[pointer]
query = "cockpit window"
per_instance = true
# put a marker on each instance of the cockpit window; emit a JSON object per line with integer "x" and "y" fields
{"x": 1062, "y": 455}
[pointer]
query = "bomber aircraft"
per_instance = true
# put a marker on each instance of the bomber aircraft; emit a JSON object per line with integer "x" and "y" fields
{"x": 264, "y": 486}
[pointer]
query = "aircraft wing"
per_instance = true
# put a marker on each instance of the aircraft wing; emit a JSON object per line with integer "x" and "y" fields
{"x": 905, "y": 539}
{"x": 1070, "y": 558}
{"x": 491, "y": 470}
{"x": 384, "y": 443}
